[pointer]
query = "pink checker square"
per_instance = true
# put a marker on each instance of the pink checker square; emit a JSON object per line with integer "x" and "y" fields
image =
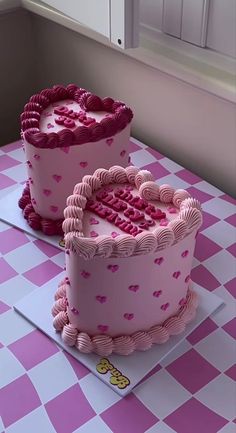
{"x": 4, "y": 307}
{"x": 199, "y": 195}
{"x": 188, "y": 177}
{"x": 6, "y": 271}
{"x": 231, "y": 372}
{"x": 5, "y": 181}
{"x": 230, "y": 328}
{"x": 232, "y": 249}
{"x": 47, "y": 249}
{"x": 205, "y": 248}
{"x": 228, "y": 198}
{"x": 11, "y": 239}
{"x": 192, "y": 371}
{"x": 12, "y": 146}
{"x": 17, "y": 399}
{"x": 7, "y": 162}
{"x": 69, "y": 410}
{"x": 194, "y": 417}
{"x": 42, "y": 273}
{"x": 231, "y": 220}
{"x": 155, "y": 153}
{"x": 208, "y": 220}
{"x": 133, "y": 147}
{"x": 231, "y": 287}
{"x": 129, "y": 415}
{"x": 202, "y": 331}
{"x": 156, "y": 169}
{"x": 204, "y": 278}
{"x": 41, "y": 348}
{"x": 79, "y": 369}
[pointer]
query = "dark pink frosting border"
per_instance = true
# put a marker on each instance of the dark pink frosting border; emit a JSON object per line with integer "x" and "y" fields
{"x": 120, "y": 116}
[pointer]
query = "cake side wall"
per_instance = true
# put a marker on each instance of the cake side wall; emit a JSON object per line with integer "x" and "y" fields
{"x": 53, "y": 173}
{"x": 119, "y": 296}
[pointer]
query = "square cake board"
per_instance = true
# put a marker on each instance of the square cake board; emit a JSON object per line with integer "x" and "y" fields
{"x": 13, "y": 215}
{"x": 36, "y": 307}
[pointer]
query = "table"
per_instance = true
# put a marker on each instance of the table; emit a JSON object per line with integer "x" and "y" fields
{"x": 44, "y": 390}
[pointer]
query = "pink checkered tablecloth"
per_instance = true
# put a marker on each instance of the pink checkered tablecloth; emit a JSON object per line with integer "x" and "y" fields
{"x": 45, "y": 390}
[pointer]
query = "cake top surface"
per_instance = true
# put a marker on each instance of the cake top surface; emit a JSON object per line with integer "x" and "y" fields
{"x": 65, "y": 116}
{"x": 122, "y": 212}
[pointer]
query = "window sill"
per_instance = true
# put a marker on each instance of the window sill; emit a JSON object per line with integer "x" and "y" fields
{"x": 204, "y": 69}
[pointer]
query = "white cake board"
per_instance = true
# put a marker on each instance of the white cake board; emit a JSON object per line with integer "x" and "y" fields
{"x": 36, "y": 307}
{"x": 11, "y": 214}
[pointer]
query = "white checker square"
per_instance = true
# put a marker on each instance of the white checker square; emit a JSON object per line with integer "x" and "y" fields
{"x": 25, "y": 258}
{"x": 162, "y": 394}
{"x": 221, "y": 208}
{"x": 227, "y": 313}
{"x": 141, "y": 157}
{"x": 195, "y": 262}
{"x": 222, "y": 265}
{"x": 160, "y": 427}
{"x": 183, "y": 347}
{"x": 208, "y": 188}
{"x": 171, "y": 166}
{"x": 218, "y": 348}
{"x": 107, "y": 397}
{"x": 52, "y": 377}
{"x": 13, "y": 327}
{"x": 228, "y": 428}
{"x": 36, "y": 421}
{"x": 59, "y": 259}
{"x": 17, "y": 173}
{"x": 214, "y": 394}
{"x": 10, "y": 367}
{"x": 222, "y": 233}
{"x": 18, "y": 154}
{"x": 3, "y": 226}
{"x": 173, "y": 180}
{"x": 1, "y": 423}
{"x": 6, "y": 191}
{"x": 94, "y": 425}
{"x": 15, "y": 289}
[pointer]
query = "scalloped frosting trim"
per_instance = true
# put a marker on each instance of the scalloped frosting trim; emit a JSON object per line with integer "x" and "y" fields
{"x": 36, "y": 222}
{"x": 126, "y": 245}
{"x": 119, "y": 117}
{"x": 104, "y": 345}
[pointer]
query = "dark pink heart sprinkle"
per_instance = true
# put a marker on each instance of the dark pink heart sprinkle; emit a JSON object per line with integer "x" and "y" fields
{"x": 93, "y": 221}
{"x": 182, "y": 302}
{"x": 85, "y": 274}
{"x": 50, "y": 125}
{"x": 165, "y": 306}
{"x": 114, "y": 235}
{"x": 187, "y": 279}
{"x": 83, "y": 164}
{"x": 102, "y": 328}
{"x": 157, "y": 293}
{"x": 172, "y": 210}
{"x": 122, "y": 153}
{"x": 109, "y": 141}
{"x": 128, "y": 316}
{"x": 67, "y": 280}
{"x": 33, "y": 201}
{"x": 184, "y": 253}
{"x": 101, "y": 299}
{"x": 74, "y": 311}
{"x": 129, "y": 159}
{"x": 31, "y": 180}
{"x": 93, "y": 234}
{"x": 53, "y": 208}
{"x": 29, "y": 164}
{"x": 47, "y": 192}
{"x": 113, "y": 268}
{"x": 68, "y": 252}
{"x": 36, "y": 156}
{"x": 159, "y": 261}
{"x": 65, "y": 149}
{"x": 176, "y": 274}
{"x": 163, "y": 222}
{"x": 57, "y": 177}
{"x": 134, "y": 288}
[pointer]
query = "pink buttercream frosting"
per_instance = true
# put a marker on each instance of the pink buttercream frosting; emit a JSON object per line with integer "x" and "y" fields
{"x": 149, "y": 190}
{"x": 143, "y": 176}
{"x": 166, "y": 193}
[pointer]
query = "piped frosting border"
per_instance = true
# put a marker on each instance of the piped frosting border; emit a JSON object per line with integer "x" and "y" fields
{"x": 104, "y": 345}
{"x": 126, "y": 245}
{"x": 120, "y": 116}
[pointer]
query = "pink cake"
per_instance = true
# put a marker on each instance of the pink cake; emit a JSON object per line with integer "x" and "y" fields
{"x": 129, "y": 250}
{"x": 68, "y": 133}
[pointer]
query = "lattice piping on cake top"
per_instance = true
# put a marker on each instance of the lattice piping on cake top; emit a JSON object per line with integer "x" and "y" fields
{"x": 188, "y": 220}
{"x": 104, "y": 345}
{"x": 119, "y": 117}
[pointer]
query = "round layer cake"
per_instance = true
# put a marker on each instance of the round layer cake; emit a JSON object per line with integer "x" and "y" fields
{"x": 129, "y": 249}
{"x": 67, "y": 133}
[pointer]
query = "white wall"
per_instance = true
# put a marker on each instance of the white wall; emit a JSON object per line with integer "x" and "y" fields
{"x": 191, "y": 126}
